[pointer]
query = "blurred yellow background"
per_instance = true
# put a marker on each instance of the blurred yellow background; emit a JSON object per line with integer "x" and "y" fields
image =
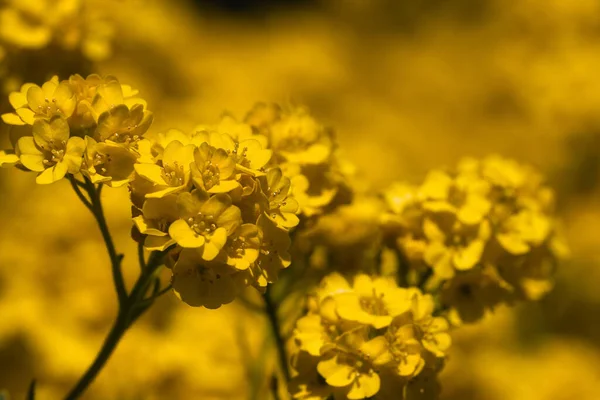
{"x": 408, "y": 86}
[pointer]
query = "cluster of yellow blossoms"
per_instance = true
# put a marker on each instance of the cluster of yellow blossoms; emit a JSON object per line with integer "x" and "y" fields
{"x": 90, "y": 126}
{"x": 218, "y": 198}
{"x": 479, "y": 236}
{"x": 307, "y": 153}
{"x": 68, "y": 24}
{"x": 368, "y": 338}
{"x": 221, "y": 201}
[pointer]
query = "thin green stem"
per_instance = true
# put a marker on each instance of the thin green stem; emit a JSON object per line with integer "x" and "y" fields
{"x": 271, "y": 311}
{"x": 403, "y": 268}
{"x": 141, "y": 257}
{"x": 76, "y": 184}
{"x": 115, "y": 258}
{"x": 127, "y": 315}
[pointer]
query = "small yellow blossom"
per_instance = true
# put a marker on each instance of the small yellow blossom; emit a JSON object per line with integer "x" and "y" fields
{"x": 108, "y": 162}
{"x": 174, "y": 174}
{"x": 213, "y": 170}
{"x": 157, "y": 214}
{"x": 121, "y": 124}
{"x": 280, "y": 206}
{"x": 34, "y": 102}
{"x": 199, "y": 283}
{"x": 204, "y": 222}
{"x": 50, "y": 151}
{"x": 243, "y": 248}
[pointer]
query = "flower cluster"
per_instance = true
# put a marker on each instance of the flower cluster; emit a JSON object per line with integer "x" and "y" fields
{"x": 369, "y": 338}
{"x": 306, "y": 152}
{"x": 81, "y": 125}
{"x": 214, "y": 198}
{"x": 482, "y": 235}
{"x": 69, "y": 24}
{"x": 218, "y": 197}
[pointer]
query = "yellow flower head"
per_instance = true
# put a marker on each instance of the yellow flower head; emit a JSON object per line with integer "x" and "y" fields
{"x": 213, "y": 170}
{"x": 70, "y": 24}
{"x": 492, "y": 215}
{"x": 110, "y": 163}
{"x": 298, "y": 138}
{"x": 202, "y": 284}
{"x": 279, "y": 205}
{"x": 98, "y": 119}
{"x": 173, "y": 175}
{"x": 368, "y": 336}
{"x": 204, "y": 222}
{"x": 156, "y": 216}
{"x": 50, "y": 151}
{"x": 33, "y": 102}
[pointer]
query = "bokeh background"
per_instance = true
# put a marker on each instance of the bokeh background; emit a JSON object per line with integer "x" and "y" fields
{"x": 408, "y": 86}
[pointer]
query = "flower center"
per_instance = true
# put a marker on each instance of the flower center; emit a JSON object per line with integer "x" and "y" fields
{"x": 173, "y": 174}
{"x": 48, "y": 109}
{"x": 211, "y": 174}
{"x": 54, "y": 153}
{"x": 202, "y": 224}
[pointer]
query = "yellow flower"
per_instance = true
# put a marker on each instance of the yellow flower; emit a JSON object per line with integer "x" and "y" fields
{"x": 399, "y": 350}
{"x": 202, "y": 284}
{"x": 313, "y": 188}
{"x": 213, "y": 170}
{"x": 239, "y": 131}
{"x": 372, "y": 301}
{"x": 465, "y": 196}
{"x": 51, "y": 151}
{"x": 313, "y": 332}
{"x": 54, "y": 98}
{"x": 456, "y": 247}
{"x": 174, "y": 174}
{"x": 83, "y": 119}
{"x": 356, "y": 351}
{"x": 23, "y": 25}
{"x": 298, "y": 138}
{"x": 153, "y": 145}
{"x": 157, "y": 215}
{"x": 243, "y": 247}
{"x": 247, "y": 151}
{"x": 108, "y": 162}
{"x": 111, "y": 94}
{"x": 273, "y": 253}
{"x": 522, "y": 231}
{"x": 346, "y": 371}
{"x": 279, "y": 206}
{"x": 121, "y": 124}
{"x": 204, "y": 222}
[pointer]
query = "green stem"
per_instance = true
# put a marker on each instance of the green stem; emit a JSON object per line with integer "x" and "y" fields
{"x": 115, "y": 258}
{"x": 127, "y": 315}
{"x": 403, "y": 268}
{"x": 271, "y": 310}
{"x": 132, "y": 305}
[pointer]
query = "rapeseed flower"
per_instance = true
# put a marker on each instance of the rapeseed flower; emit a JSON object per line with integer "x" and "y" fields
{"x": 365, "y": 337}
{"x": 204, "y": 222}
{"x": 35, "y": 102}
{"x": 173, "y": 175}
{"x": 490, "y": 220}
{"x": 90, "y": 125}
{"x": 50, "y": 151}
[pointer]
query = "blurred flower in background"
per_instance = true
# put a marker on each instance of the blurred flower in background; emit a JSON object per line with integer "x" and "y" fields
{"x": 408, "y": 87}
